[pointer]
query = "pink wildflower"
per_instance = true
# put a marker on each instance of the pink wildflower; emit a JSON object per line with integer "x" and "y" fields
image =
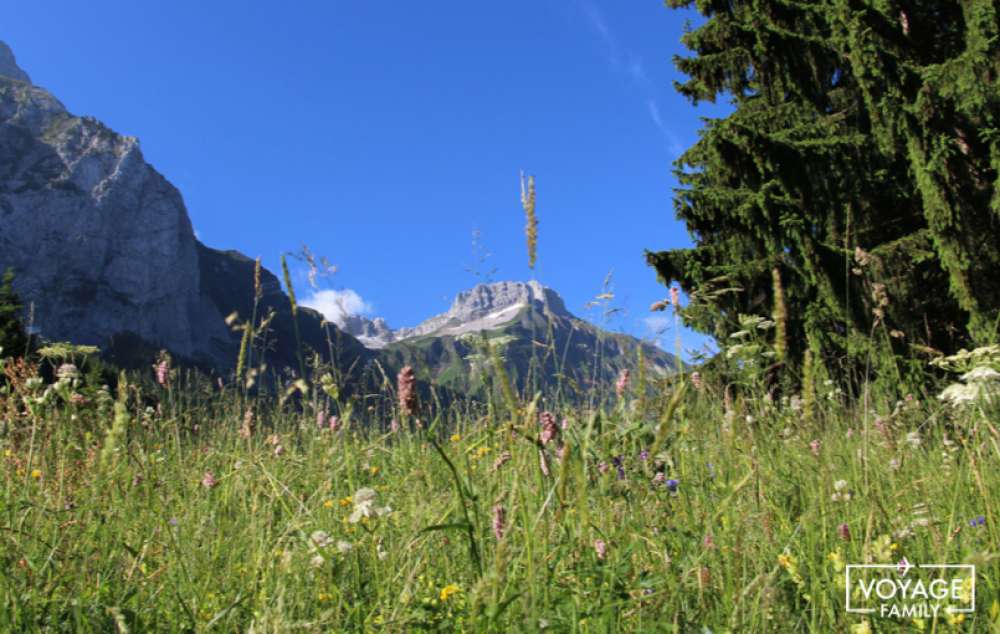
{"x": 814, "y": 447}
{"x": 622, "y": 384}
{"x": 208, "y": 480}
{"x": 600, "y": 548}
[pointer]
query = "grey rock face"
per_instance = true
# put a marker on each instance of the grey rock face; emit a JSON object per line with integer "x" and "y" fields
{"x": 373, "y": 333}
{"x": 100, "y": 242}
{"x": 8, "y": 65}
{"x": 485, "y": 307}
{"x": 488, "y": 306}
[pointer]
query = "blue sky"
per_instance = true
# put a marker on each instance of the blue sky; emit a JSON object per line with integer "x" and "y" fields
{"x": 382, "y": 135}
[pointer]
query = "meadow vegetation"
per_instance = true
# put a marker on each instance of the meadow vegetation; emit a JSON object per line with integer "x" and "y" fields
{"x": 166, "y": 502}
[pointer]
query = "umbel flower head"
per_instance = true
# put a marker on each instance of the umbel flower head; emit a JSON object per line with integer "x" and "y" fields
{"x": 364, "y": 506}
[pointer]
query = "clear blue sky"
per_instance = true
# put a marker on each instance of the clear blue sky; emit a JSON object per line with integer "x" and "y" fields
{"x": 383, "y": 134}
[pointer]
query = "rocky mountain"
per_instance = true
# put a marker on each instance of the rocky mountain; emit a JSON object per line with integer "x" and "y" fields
{"x": 541, "y": 342}
{"x": 103, "y": 248}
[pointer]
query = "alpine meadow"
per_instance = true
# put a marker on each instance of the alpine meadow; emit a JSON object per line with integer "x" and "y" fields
{"x": 193, "y": 443}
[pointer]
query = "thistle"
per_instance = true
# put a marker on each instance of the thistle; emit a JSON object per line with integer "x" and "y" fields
{"x": 531, "y": 226}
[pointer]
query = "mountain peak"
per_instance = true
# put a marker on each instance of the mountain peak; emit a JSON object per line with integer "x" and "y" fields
{"x": 484, "y": 299}
{"x": 8, "y": 65}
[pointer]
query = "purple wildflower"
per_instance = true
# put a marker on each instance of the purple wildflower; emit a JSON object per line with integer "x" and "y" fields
{"x": 845, "y": 532}
{"x": 978, "y": 521}
{"x": 644, "y": 455}
{"x": 619, "y": 462}
{"x": 672, "y": 485}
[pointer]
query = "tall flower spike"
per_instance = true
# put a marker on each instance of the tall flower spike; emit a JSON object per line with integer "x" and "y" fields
{"x": 499, "y": 521}
{"x": 531, "y": 224}
{"x": 406, "y": 386}
{"x": 549, "y": 428}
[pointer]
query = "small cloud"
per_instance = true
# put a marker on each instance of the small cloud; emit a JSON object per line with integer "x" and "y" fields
{"x": 336, "y": 306}
{"x": 674, "y": 144}
{"x": 656, "y": 325}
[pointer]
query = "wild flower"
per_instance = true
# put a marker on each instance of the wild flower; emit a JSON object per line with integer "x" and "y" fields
{"x": 845, "y": 532}
{"x": 861, "y": 628}
{"x": 456, "y": 438}
{"x": 394, "y": 425}
{"x": 913, "y": 439}
{"x": 814, "y": 447}
{"x": 321, "y": 419}
{"x": 622, "y": 383}
{"x": 977, "y": 521}
{"x": 565, "y": 424}
{"x": 619, "y": 462}
{"x": 840, "y": 491}
{"x": 317, "y": 561}
{"x": 499, "y": 521}
{"x": 696, "y": 381}
{"x": 161, "y": 369}
{"x": 600, "y": 548}
{"x": 673, "y": 485}
{"x": 603, "y": 467}
{"x": 448, "y": 591}
{"x": 549, "y": 428}
{"x": 837, "y": 560}
{"x": 659, "y": 478}
{"x": 708, "y": 543}
{"x": 644, "y": 455}
{"x": 321, "y": 539}
{"x": 36, "y": 474}
{"x": 208, "y": 480}
{"x": 344, "y": 547}
{"x": 406, "y": 387}
{"x": 364, "y": 506}
{"x": 67, "y": 371}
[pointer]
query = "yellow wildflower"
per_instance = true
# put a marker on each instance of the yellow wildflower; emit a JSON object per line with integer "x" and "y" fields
{"x": 346, "y": 501}
{"x": 449, "y": 590}
{"x": 956, "y": 619}
{"x": 36, "y": 473}
{"x": 374, "y": 470}
{"x": 456, "y": 437}
{"x": 786, "y": 561}
{"x": 861, "y": 628}
{"x": 328, "y": 504}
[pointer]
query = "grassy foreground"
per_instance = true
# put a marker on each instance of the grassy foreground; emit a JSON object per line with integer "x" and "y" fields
{"x": 661, "y": 514}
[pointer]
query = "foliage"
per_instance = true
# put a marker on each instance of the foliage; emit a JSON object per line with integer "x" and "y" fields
{"x": 858, "y": 170}
{"x": 13, "y": 340}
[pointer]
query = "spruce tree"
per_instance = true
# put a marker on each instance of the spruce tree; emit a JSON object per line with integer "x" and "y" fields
{"x": 853, "y": 189}
{"x": 13, "y": 339}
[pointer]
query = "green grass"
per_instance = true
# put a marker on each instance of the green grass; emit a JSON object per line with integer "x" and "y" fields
{"x": 126, "y": 535}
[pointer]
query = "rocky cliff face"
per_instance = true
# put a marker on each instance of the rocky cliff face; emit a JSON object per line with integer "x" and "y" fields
{"x": 8, "y": 65}
{"x": 102, "y": 245}
{"x": 100, "y": 242}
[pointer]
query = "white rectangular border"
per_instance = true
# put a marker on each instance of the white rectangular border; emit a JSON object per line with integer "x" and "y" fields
{"x": 948, "y": 609}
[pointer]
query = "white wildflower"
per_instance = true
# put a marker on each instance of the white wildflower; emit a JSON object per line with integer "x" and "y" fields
{"x": 364, "y": 506}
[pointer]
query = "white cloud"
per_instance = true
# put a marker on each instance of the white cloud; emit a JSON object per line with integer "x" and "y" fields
{"x": 337, "y": 305}
{"x": 656, "y": 325}
{"x": 676, "y": 148}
